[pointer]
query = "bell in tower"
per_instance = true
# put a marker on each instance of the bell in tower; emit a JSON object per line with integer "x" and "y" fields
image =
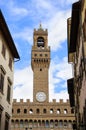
{"x": 40, "y": 60}
{"x": 40, "y": 41}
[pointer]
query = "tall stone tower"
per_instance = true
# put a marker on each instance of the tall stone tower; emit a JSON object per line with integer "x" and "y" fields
{"x": 41, "y": 114}
{"x": 40, "y": 61}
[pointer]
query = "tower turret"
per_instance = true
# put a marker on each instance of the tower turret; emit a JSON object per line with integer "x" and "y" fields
{"x": 40, "y": 60}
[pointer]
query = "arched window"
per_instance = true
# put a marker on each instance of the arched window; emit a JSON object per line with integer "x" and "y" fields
{"x": 31, "y": 111}
{"x": 37, "y": 111}
{"x": 26, "y": 123}
{"x": 25, "y": 111}
{"x": 39, "y": 123}
{"x": 40, "y": 41}
{"x": 21, "y": 123}
{"x": 35, "y": 123}
{"x": 43, "y": 123}
{"x": 30, "y": 124}
{"x": 60, "y": 123}
{"x": 56, "y": 123}
{"x": 65, "y": 123}
{"x": 12, "y": 123}
{"x": 16, "y": 123}
{"x": 58, "y": 111}
{"x": 65, "y": 111}
{"x": 47, "y": 123}
{"x": 44, "y": 110}
{"x": 51, "y": 111}
{"x": 70, "y": 124}
{"x": 18, "y": 110}
{"x": 51, "y": 123}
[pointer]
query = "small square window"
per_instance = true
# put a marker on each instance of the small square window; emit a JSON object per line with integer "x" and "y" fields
{"x": 35, "y": 54}
{"x": 46, "y": 55}
{"x": 40, "y": 69}
{"x": 40, "y": 54}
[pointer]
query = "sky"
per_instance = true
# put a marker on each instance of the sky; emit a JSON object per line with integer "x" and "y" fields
{"x": 22, "y": 16}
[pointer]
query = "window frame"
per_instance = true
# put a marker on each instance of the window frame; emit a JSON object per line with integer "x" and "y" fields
{"x": 10, "y": 63}
{"x": 9, "y": 90}
{"x": 3, "y": 50}
{"x": 2, "y": 75}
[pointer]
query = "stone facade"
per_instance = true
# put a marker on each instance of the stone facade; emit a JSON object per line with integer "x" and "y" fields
{"x": 36, "y": 116}
{"x": 7, "y": 54}
{"x": 41, "y": 114}
{"x": 77, "y": 55}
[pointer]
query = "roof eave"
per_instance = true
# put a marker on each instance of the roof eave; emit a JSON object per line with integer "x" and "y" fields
{"x": 8, "y": 37}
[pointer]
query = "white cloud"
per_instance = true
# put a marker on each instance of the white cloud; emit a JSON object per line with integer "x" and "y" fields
{"x": 43, "y": 4}
{"x": 61, "y": 95}
{"x": 23, "y": 82}
{"x": 70, "y": 1}
{"x": 65, "y": 70}
{"x": 25, "y": 34}
{"x": 48, "y": 13}
{"x": 16, "y": 11}
{"x": 57, "y": 27}
{"x": 61, "y": 70}
{"x": 56, "y": 76}
{"x": 19, "y": 11}
{"x": 63, "y": 3}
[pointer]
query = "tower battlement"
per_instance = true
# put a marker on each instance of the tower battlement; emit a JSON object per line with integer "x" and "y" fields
{"x": 61, "y": 101}
{"x": 40, "y": 31}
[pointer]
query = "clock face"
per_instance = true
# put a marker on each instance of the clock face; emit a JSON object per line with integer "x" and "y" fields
{"x": 41, "y": 96}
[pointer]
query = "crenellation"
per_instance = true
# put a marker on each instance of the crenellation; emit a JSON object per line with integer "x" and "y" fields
{"x": 21, "y": 100}
{"x": 67, "y": 100}
{"x": 28, "y": 100}
{"x": 61, "y": 101}
{"x": 54, "y": 100}
{"x": 14, "y": 100}
{"x": 40, "y": 31}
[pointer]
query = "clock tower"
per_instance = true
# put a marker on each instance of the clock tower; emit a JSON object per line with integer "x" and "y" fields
{"x": 40, "y": 114}
{"x": 40, "y": 60}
